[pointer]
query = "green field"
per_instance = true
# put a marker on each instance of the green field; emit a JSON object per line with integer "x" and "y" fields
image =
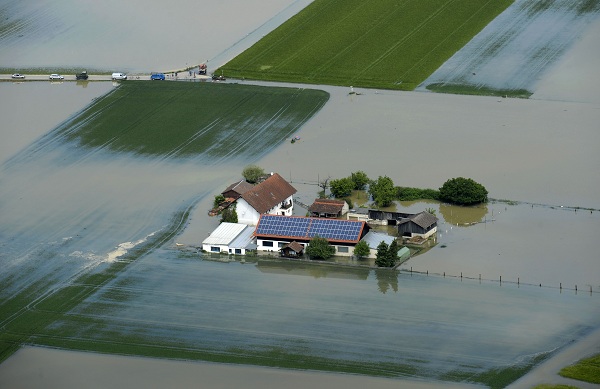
{"x": 190, "y": 119}
{"x": 387, "y": 44}
{"x": 587, "y": 369}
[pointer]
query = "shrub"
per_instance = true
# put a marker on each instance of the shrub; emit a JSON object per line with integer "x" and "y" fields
{"x": 463, "y": 191}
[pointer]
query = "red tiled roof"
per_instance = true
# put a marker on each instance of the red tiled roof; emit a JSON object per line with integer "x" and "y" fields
{"x": 268, "y": 193}
{"x": 329, "y": 206}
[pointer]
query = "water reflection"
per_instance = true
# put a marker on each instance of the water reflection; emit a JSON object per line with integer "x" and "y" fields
{"x": 463, "y": 216}
{"x": 387, "y": 279}
{"x": 314, "y": 270}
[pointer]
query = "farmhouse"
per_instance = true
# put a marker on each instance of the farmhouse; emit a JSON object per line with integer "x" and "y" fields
{"x": 328, "y": 208}
{"x": 273, "y": 196}
{"x": 274, "y": 232}
{"x": 230, "y": 238}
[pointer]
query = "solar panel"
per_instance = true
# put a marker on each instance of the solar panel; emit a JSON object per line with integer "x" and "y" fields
{"x": 307, "y": 228}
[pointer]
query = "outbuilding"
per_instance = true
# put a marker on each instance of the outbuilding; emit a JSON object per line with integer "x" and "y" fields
{"x": 230, "y": 238}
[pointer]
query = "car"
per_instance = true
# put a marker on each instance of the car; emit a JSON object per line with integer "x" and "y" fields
{"x": 81, "y": 76}
{"x": 119, "y": 76}
{"x": 55, "y": 76}
{"x": 18, "y": 76}
{"x": 157, "y": 76}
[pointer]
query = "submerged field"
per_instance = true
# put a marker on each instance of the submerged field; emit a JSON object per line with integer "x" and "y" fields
{"x": 191, "y": 119}
{"x": 385, "y": 44}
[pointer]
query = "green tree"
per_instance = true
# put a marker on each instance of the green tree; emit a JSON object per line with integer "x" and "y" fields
{"x": 381, "y": 258}
{"x": 383, "y": 191}
{"x": 218, "y": 200}
{"x": 252, "y": 173}
{"x": 393, "y": 253}
{"x": 359, "y": 179}
{"x": 463, "y": 191}
{"x": 229, "y": 215}
{"x": 362, "y": 249}
{"x": 341, "y": 187}
{"x": 319, "y": 248}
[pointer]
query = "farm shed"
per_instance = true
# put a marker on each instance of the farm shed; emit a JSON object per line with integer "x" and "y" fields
{"x": 230, "y": 238}
{"x": 421, "y": 224}
{"x": 273, "y": 232}
{"x": 236, "y": 190}
{"x": 328, "y": 208}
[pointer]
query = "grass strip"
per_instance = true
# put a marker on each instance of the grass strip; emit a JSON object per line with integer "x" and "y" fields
{"x": 384, "y": 44}
{"x": 465, "y": 89}
{"x": 587, "y": 370}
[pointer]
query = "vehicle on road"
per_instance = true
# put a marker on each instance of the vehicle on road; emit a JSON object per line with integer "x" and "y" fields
{"x": 55, "y": 76}
{"x": 119, "y": 76}
{"x": 82, "y": 76}
{"x": 157, "y": 76}
{"x": 218, "y": 78}
{"x": 18, "y": 76}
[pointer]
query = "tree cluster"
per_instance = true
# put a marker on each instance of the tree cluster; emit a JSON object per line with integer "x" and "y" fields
{"x": 253, "y": 173}
{"x": 343, "y": 187}
{"x": 463, "y": 191}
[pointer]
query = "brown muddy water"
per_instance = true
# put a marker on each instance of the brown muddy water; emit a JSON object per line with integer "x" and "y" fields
{"x": 66, "y": 211}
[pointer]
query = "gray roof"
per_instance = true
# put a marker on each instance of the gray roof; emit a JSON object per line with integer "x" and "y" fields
{"x": 373, "y": 239}
{"x": 423, "y": 219}
{"x": 244, "y": 240}
{"x": 225, "y": 234}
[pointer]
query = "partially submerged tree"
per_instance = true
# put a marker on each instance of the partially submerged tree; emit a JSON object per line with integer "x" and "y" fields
{"x": 319, "y": 248}
{"x": 342, "y": 187}
{"x": 359, "y": 179}
{"x": 362, "y": 249}
{"x": 383, "y": 191}
{"x": 381, "y": 258}
{"x": 252, "y": 173}
{"x": 463, "y": 191}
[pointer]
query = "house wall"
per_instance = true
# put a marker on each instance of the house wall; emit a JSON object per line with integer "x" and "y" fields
{"x": 248, "y": 215}
{"x": 215, "y": 248}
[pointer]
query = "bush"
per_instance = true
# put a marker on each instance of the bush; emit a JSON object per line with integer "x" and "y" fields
{"x": 410, "y": 194}
{"x": 253, "y": 173}
{"x": 319, "y": 248}
{"x": 359, "y": 179}
{"x": 383, "y": 191}
{"x": 463, "y": 191}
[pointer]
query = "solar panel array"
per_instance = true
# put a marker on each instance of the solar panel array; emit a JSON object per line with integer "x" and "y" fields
{"x": 307, "y": 228}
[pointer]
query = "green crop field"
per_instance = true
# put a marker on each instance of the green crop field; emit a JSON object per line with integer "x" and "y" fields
{"x": 190, "y": 119}
{"x": 387, "y": 44}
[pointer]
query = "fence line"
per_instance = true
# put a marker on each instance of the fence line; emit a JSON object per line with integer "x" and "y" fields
{"x": 499, "y": 280}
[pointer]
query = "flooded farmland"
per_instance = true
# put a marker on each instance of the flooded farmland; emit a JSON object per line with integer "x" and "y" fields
{"x": 67, "y": 213}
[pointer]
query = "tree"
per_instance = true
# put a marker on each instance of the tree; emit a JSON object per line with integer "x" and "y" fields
{"x": 319, "y": 248}
{"x": 341, "y": 187}
{"x": 229, "y": 215}
{"x": 359, "y": 179}
{"x": 324, "y": 184}
{"x": 463, "y": 191}
{"x": 362, "y": 249}
{"x": 383, "y": 191}
{"x": 381, "y": 258}
{"x": 218, "y": 200}
{"x": 252, "y": 173}
{"x": 393, "y": 253}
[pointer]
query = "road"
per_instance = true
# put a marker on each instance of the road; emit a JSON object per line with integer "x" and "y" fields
{"x": 102, "y": 77}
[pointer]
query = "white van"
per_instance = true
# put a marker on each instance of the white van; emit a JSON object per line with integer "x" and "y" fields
{"x": 119, "y": 76}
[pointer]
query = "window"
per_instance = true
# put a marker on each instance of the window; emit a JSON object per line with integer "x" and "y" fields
{"x": 281, "y": 244}
{"x": 238, "y": 251}
{"x": 342, "y": 249}
{"x": 215, "y": 249}
{"x": 267, "y": 243}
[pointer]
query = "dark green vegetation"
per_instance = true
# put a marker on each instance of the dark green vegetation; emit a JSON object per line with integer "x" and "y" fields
{"x": 319, "y": 248}
{"x": 587, "y": 369}
{"x": 387, "y": 256}
{"x": 463, "y": 191}
{"x": 253, "y": 173}
{"x": 548, "y": 386}
{"x": 186, "y": 119}
{"x": 478, "y": 90}
{"x": 384, "y": 44}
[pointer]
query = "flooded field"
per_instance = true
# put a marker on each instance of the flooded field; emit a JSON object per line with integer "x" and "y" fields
{"x": 98, "y": 221}
{"x": 516, "y": 49}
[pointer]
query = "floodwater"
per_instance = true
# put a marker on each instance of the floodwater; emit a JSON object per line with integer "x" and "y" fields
{"x": 65, "y": 211}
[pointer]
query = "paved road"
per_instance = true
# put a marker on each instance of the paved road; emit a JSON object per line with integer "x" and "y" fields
{"x": 99, "y": 77}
